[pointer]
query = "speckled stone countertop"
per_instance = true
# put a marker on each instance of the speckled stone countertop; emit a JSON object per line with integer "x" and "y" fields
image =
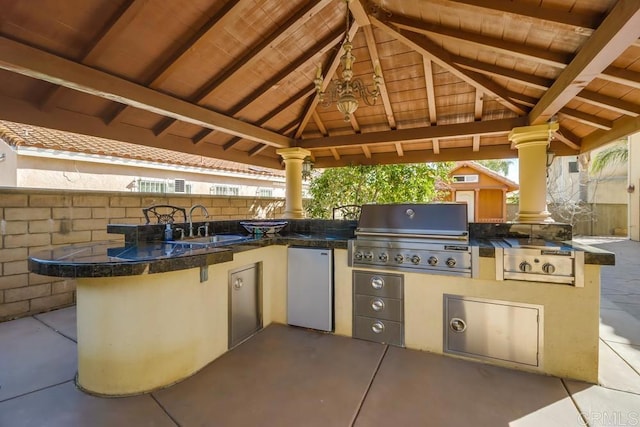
{"x": 107, "y": 259}
{"x": 484, "y": 235}
{"x": 592, "y": 255}
{"x": 143, "y": 252}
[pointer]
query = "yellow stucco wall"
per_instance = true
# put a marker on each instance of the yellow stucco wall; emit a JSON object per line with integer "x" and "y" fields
{"x": 571, "y": 315}
{"x": 343, "y": 293}
{"x": 140, "y": 333}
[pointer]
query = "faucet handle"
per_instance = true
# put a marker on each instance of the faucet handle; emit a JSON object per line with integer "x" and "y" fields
{"x": 181, "y": 230}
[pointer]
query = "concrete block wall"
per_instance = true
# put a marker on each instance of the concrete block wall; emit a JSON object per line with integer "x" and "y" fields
{"x": 35, "y": 220}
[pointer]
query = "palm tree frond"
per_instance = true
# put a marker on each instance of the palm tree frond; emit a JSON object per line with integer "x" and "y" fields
{"x": 616, "y": 154}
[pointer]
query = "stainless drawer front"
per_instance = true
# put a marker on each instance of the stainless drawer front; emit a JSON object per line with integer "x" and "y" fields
{"x": 378, "y": 330}
{"x": 378, "y": 307}
{"x": 382, "y": 285}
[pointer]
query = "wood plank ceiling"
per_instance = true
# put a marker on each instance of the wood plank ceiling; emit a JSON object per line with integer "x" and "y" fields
{"x": 233, "y": 79}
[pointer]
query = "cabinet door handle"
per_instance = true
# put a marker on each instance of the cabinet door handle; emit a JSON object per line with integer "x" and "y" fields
{"x": 457, "y": 325}
{"x": 237, "y": 284}
{"x": 377, "y": 327}
{"x": 377, "y": 305}
{"x": 377, "y": 282}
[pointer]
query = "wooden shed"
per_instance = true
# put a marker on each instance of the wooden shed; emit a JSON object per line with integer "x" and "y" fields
{"x": 484, "y": 191}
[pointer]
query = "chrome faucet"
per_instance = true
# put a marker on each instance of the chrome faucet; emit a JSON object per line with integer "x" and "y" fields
{"x": 206, "y": 215}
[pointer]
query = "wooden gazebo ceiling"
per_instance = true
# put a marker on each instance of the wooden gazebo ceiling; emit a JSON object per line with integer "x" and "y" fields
{"x": 233, "y": 79}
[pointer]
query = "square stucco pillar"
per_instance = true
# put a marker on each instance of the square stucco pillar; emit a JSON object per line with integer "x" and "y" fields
{"x": 532, "y": 143}
{"x": 293, "y": 159}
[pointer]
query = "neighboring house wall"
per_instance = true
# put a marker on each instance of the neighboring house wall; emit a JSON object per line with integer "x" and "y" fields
{"x": 37, "y": 168}
{"x": 634, "y": 179}
{"x": 8, "y": 165}
{"x": 595, "y": 202}
{"x": 34, "y": 220}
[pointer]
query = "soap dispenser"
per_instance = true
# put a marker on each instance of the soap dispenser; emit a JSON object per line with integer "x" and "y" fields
{"x": 168, "y": 233}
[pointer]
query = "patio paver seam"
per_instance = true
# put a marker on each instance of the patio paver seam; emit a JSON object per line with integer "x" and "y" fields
{"x": 575, "y": 404}
{"x": 55, "y": 330}
{"x": 620, "y": 356}
{"x": 366, "y": 392}
{"x": 37, "y": 390}
{"x": 165, "y": 410}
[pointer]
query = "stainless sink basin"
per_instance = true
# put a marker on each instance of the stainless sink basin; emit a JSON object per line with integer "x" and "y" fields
{"x": 211, "y": 241}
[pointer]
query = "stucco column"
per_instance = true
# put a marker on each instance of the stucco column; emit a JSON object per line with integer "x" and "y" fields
{"x": 532, "y": 143}
{"x": 293, "y": 158}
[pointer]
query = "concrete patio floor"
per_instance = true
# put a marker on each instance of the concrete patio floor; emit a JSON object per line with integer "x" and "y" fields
{"x": 287, "y": 376}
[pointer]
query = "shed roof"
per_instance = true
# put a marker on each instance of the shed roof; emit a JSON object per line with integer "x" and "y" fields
{"x": 233, "y": 79}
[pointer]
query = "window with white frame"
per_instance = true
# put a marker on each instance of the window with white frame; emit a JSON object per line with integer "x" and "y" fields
{"x": 163, "y": 186}
{"x": 152, "y": 186}
{"x": 265, "y": 192}
{"x": 465, "y": 178}
{"x": 224, "y": 190}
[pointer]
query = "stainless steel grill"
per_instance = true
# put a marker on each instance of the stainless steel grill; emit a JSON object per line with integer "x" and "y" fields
{"x": 424, "y": 238}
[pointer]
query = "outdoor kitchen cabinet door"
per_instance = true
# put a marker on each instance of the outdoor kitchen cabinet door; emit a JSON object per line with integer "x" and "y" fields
{"x": 493, "y": 329}
{"x": 244, "y": 303}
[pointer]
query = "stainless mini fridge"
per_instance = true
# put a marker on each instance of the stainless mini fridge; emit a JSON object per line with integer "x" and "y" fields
{"x": 310, "y": 288}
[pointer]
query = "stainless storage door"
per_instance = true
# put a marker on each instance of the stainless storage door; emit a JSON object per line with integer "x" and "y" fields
{"x": 493, "y": 329}
{"x": 244, "y": 304}
{"x": 310, "y": 288}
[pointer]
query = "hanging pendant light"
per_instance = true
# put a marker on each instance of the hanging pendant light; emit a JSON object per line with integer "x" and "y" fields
{"x": 346, "y": 91}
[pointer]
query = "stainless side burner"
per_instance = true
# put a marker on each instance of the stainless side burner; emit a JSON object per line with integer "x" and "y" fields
{"x": 551, "y": 262}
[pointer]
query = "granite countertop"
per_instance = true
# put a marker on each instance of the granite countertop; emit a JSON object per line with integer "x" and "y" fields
{"x": 114, "y": 258}
{"x": 139, "y": 256}
{"x": 592, "y": 255}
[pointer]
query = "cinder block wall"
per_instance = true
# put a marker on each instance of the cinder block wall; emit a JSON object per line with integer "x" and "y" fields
{"x": 33, "y": 220}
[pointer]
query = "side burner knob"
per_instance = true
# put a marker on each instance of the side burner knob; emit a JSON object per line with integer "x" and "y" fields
{"x": 415, "y": 259}
{"x": 432, "y": 260}
{"x": 525, "y": 267}
{"x": 451, "y": 262}
{"x": 548, "y": 268}
{"x": 399, "y": 258}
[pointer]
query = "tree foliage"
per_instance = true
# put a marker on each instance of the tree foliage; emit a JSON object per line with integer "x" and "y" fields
{"x": 358, "y": 185}
{"x": 497, "y": 165}
{"x": 618, "y": 153}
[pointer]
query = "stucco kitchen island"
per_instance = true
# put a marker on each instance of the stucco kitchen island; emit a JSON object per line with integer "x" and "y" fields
{"x": 149, "y": 323}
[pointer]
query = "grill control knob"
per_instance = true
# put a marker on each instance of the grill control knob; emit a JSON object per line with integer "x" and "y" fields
{"x": 415, "y": 259}
{"x": 548, "y": 268}
{"x": 399, "y": 258}
{"x": 451, "y": 262}
{"x": 432, "y": 260}
{"x": 384, "y": 257}
{"x": 358, "y": 256}
{"x": 368, "y": 256}
{"x": 525, "y": 267}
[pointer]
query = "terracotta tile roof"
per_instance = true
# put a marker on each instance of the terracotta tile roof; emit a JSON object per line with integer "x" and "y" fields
{"x": 17, "y": 135}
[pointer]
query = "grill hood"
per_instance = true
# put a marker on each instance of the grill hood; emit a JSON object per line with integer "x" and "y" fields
{"x": 414, "y": 220}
